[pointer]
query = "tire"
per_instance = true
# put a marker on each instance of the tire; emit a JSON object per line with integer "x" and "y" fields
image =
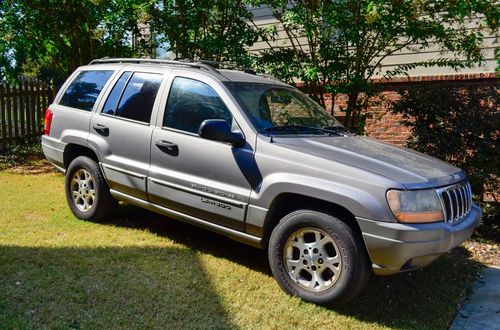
{"x": 318, "y": 258}
{"x": 87, "y": 192}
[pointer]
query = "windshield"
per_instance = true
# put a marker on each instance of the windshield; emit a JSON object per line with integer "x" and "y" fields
{"x": 275, "y": 109}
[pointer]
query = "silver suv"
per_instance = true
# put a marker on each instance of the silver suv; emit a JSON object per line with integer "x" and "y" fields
{"x": 252, "y": 158}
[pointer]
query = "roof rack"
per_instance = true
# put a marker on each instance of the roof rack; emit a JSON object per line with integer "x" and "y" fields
{"x": 194, "y": 64}
{"x": 211, "y": 66}
{"x": 226, "y": 65}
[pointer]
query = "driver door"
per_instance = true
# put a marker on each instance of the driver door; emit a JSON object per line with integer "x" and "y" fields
{"x": 202, "y": 178}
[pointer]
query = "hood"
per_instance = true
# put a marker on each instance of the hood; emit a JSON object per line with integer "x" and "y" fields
{"x": 412, "y": 169}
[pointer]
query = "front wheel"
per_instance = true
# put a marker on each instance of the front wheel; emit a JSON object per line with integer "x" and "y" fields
{"x": 318, "y": 257}
{"x": 87, "y": 192}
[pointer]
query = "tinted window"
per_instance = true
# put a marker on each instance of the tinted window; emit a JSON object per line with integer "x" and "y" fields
{"x": 84, "y": 89}
{"x": 139, "y": 96}
{"x": 190, "y": 102}
{"x": 114, "y": 97}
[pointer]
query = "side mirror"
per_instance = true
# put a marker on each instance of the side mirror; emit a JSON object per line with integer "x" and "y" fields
{"x": 219, "y": 130}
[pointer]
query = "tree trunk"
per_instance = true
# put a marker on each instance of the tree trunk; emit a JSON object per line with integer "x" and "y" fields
{"x": 351, "y": 112}
{"x": 332, "y": 106}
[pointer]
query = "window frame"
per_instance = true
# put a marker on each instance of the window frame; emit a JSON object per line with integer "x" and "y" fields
{"x": 162, "y": 114}
{"x": 157, "y": 102}
{"x": 72, "y": 78}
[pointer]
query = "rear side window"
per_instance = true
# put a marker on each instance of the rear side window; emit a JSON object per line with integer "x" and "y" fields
{"x": 85, "y": 88}
{"x": 190, "y": 102}
{"x": 133, "y": 96}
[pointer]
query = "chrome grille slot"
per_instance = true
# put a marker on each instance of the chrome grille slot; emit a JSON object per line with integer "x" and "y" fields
{"x": 456, "y": 201}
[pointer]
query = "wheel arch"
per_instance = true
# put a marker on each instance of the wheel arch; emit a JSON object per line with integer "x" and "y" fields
{"x": 73, "y": 150}
{"x": 286, "y": 203}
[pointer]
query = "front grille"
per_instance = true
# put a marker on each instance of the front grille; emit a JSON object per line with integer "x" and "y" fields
{"x": 456, "y": 200}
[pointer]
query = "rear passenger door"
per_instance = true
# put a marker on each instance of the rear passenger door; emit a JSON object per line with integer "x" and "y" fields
{"x": 121, "y": 132}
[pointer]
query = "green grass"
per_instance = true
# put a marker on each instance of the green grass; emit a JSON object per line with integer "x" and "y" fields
{"x": 141, "y": 270}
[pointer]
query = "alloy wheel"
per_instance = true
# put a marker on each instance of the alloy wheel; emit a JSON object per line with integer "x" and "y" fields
{"x": 83, "y": 190}
{"x": 312, "y": 259}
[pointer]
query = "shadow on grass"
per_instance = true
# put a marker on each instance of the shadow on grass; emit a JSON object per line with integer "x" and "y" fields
{"x": 423, "y": 298}
{"x": 109, "y": 287}
{"x": 196, "y": 238}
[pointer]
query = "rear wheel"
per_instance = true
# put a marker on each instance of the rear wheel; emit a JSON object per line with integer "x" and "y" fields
{"x": 318, "y": 257}
{"x": 87, "y": 193}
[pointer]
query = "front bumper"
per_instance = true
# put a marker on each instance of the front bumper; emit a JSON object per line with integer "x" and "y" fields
{"x": 396, "y": 247}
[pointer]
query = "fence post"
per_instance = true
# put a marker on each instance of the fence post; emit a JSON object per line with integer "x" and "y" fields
{"x": 22, "y": 111}
{"x": 2, "y": 117}
{"x": 33, "y": 111}
{"x": 27, "y": 109}
{"x": 8, "y": 101}
{"x": 15, "y": 103}
{"x": 38, "y": 108}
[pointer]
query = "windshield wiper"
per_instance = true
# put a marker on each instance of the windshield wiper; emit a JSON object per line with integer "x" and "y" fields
{"x": 338, "y": 129}
{"x": 299, "y": 129}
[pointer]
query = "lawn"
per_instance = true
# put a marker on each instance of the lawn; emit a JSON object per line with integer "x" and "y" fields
{"x": 142, "y": 270}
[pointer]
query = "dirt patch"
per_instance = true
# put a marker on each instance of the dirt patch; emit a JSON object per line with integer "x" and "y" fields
{"x": 485, "y": 253}
{"x": 33, "y": 167}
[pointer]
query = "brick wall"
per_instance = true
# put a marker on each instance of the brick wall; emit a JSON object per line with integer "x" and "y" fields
{"x": 387, "y": 126}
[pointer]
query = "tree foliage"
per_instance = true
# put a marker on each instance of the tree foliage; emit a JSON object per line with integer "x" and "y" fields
{"x": 458, "y": 125}
{"x": 338, "y": 46}
{"x": 50, "y": 38}
{"x": 214, "y": 30}
{"x": 333, "y": 46}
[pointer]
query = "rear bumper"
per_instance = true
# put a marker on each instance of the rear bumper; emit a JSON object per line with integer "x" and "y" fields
{"x": 54, "y": 151}
{"x": 396, "y": 247}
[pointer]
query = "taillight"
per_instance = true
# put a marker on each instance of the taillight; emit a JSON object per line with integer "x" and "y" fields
{"x": 47, "y": 122}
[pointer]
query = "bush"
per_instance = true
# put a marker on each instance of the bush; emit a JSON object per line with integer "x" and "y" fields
{"x": 21, "y": 154}
{"x": 459, "y": 125}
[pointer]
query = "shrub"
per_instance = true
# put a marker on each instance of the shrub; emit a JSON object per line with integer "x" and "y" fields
{"x": 459, "y": 125}
{"x": 21, "y": 154}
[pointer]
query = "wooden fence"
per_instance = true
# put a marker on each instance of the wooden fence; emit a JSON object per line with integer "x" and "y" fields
{"x": 22, "y": 110}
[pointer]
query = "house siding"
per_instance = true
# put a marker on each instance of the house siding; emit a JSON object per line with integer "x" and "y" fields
{"x": 263, "y": 18}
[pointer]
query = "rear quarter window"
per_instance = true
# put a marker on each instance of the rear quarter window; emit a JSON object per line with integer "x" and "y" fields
{"x": 85, "y": 88}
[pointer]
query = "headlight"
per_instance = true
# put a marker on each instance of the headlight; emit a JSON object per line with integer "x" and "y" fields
{"x": 413, "y": 206}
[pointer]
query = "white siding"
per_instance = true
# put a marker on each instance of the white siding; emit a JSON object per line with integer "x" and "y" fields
{"x": 263, "y": 18}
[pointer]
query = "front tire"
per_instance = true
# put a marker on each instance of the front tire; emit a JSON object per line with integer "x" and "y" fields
{"x": 319, "y": 258}
{"x": 87, "y": 192}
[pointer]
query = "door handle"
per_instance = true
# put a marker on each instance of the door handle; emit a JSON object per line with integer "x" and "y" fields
{"x": 168, "y": 147}
{"x": 101, "y": 129}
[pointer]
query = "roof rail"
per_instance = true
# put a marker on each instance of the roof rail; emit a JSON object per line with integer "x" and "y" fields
{"x": 226, "y": 65}
{"x": 194, "y": 64}
{"x": 231, "y": 66}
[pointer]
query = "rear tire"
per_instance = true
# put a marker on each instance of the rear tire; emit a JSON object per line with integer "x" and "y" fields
{"x": 319, "y": 258}
{"x": 87, "y": 192}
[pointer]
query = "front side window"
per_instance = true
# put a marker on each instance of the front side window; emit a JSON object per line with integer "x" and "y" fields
{"x": 85, "y": 88}
{"x": 190, "y": 102}
{"x": 133, "y": 96}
